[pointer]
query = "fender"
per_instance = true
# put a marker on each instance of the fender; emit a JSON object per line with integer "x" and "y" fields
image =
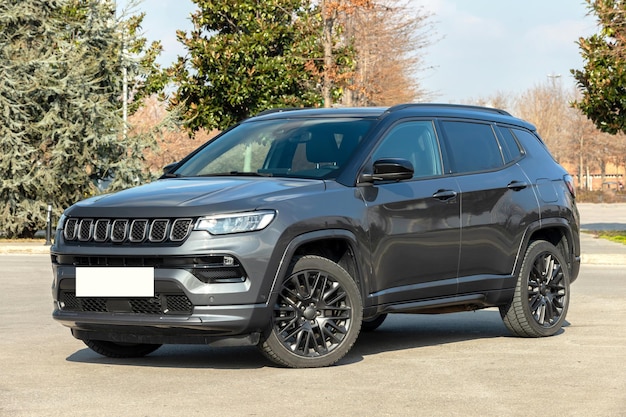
{"x": 317, "y": 235}
{"x": 550, "y": 223}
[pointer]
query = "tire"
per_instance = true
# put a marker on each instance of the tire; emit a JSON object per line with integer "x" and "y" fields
{"x": 317, "y": 316}
{"x": 120, "y": 350}
{"x": 542, "y": 293}
{"x": 369, "y": 325}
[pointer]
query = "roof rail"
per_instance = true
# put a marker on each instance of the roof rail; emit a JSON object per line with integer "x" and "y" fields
{"x": 279, "y": 110}
{"x": 451, "y": 106}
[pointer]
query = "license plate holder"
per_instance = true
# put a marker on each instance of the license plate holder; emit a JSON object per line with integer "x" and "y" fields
{"x": 114, "y": 282}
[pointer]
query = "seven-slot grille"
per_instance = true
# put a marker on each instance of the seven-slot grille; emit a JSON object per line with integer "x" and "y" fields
{"x": 127, "y": 230}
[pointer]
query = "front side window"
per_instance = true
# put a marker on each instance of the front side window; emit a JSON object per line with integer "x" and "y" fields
{"x": 299, "y": 147}
{"x": 416, "y": 142}
{"x": 471, "y": 146}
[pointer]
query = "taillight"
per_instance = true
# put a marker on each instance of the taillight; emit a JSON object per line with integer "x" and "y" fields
{"x": 569, "y": 181}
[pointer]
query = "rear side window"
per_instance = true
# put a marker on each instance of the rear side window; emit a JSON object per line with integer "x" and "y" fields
{"x": 510, "y": 148}
{"x": 531, "y": 143}
{"x": 471, "y": 147}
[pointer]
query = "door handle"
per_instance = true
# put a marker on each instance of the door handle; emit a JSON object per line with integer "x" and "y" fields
{"x": 444, "y": 195}
{"x": 517, "y": 185}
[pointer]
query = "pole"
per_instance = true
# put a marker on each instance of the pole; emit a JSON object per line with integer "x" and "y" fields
{"x": 49, "y": 226}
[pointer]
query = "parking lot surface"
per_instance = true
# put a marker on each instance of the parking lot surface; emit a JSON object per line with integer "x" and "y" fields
{"x": 446, "y": 365}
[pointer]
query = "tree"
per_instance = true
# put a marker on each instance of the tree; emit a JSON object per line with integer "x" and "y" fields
{"x": 245, "y": 56}
{"x": 334, "y": 14}
{"x": 603, "y": 78}
{"x": 172, "y": 142}
{"x": 582, "y": 135}
{"x": 498, "y": 100}
{"x": 545, "y": 105}
{"x": 388, "y": 37}
{"x": 60, "y": 90}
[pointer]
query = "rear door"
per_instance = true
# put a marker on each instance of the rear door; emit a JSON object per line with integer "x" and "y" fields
{"x": 497, "y": 203}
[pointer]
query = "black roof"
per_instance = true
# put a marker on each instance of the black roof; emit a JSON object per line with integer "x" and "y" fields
{"x": 415, "y": 109}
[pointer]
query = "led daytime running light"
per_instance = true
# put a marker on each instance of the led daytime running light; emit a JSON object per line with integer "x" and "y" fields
{"x": 224, "y": 224}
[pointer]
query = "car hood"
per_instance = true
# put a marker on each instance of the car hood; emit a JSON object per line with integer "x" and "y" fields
{"x": 189, "y": 197}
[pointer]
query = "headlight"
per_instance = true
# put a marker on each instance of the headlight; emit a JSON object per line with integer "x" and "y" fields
{"x": 224, "y": 224}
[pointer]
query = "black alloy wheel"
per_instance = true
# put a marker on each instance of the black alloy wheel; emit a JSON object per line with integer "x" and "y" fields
{"x": 542, "y": 294}
{"x": 317, "y": 316}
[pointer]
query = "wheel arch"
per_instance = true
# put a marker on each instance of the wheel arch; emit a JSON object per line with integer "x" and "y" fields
{"x": 339, "y": 245}
{"x": 559, "y": 233}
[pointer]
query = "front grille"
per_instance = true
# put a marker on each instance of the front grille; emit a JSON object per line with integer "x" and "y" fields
{"x": 127, "y": 230}
{"x": 160, "y": 304}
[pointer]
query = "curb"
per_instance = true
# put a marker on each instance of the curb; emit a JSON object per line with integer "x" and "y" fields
{"x": 603, "y": 259}
{"x": 24, "y": 250}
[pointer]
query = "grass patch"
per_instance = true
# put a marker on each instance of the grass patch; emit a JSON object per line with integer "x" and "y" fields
{"x": 618, "y": 236}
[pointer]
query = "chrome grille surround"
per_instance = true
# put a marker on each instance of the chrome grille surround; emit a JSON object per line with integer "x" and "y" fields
{"x": 180, "y": 229}
{"x": 134, "y": 231}
{"x": 101, "y": 230}
{"x": 138, "y": 230}
{"x": 118, "y": 231}
{"x": 85, "y": 229}
{"x": 158, "y": 230}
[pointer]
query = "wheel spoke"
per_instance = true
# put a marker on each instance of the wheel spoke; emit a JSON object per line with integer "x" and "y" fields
{"x": 312, "y": 316}
{"x": 551, "y": 312}
{"x": 535, "y": 303}
{"x": 546, "y": 289}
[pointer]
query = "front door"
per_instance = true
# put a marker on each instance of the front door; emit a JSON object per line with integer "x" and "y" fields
{"x": 414, "y": 225}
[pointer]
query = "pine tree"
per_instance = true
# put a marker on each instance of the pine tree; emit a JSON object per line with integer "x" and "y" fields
{"x": 60, "y": 109}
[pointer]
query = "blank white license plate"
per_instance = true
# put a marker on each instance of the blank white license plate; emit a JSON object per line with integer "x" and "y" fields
{"x": 114, "y": 282}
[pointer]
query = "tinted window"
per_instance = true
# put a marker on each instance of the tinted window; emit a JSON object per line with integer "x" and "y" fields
{"x": 416, "y": 142}
{"x": 299, "y": 147}
{"x": 471, "y": 146}
{"x": 510, "y": 147}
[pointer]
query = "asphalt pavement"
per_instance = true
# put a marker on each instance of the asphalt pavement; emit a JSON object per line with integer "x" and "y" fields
{"x": 459, "y": 364}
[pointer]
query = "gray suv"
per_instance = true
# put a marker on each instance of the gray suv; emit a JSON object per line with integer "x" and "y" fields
{"x": 296, "y": 229}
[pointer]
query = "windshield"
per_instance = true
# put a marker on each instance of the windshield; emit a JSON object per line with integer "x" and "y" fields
{"x": 303, "y": 148}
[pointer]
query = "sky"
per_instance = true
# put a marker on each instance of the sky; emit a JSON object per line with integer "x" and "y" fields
{"x": 483, "y": 47}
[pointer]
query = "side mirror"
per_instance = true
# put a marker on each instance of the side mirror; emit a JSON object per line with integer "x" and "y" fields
{"x": 167, "y": 168}
{"x": 389, "y": 169}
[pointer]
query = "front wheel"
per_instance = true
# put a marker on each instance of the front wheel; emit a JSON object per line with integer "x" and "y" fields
{"x": 121, "y": 350}
{"x": 542, "y": 293}
{"x": 317, "y": 316}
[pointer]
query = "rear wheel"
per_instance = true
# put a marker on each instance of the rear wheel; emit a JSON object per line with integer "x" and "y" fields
{"x": 121, "y": 350}
{"x": 541, "y": 295}
{"x": 317, "y": 316}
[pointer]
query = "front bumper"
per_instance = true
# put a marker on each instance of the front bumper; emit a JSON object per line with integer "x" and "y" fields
{"x": 226, "y": 326}
{"x": 198, "y": 296}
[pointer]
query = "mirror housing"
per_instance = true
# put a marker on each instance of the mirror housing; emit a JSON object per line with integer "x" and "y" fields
{"x": 167, "y": 168}
{"x": 388, "y": 169}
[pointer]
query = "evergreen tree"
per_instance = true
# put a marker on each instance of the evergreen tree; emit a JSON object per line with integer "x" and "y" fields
{"x": 245, "y": 56}
{"x": 60, "y": 106}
